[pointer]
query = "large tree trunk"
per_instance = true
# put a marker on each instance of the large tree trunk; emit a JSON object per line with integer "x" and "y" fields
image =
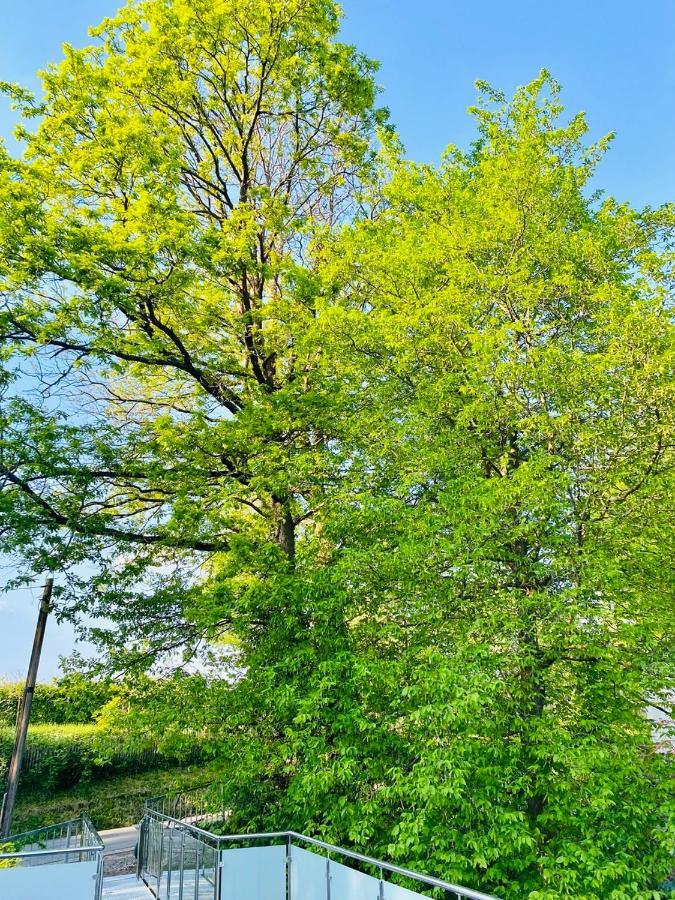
{"x": 533, "y": 694}
{"x": 284, "y": 533}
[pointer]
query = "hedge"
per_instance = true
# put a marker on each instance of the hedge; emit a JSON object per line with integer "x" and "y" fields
{"x": 73, "y": 700}
{"x": 59, "y": 757}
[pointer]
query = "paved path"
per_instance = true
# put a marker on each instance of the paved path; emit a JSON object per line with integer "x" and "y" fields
{"x": 119, "y": 857}
{"x": 120, "y": 838}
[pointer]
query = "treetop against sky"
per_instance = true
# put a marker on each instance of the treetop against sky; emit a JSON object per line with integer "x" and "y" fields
{"x": 387, "y": 443}
{"x": 615, "y": 61}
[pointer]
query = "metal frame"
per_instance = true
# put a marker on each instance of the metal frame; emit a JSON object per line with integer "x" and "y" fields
{"x": 154, "y": 814}
{"x": 82, "y": 843}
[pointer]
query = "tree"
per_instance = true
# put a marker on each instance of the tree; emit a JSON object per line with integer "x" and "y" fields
{"x": 408, "y": 445}
{"x": 504, "y": 343}
{"x": 457, "y": 676}
{"x": 156, "y": 291}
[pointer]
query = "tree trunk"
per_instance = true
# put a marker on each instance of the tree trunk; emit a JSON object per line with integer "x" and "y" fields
{"x": 284, "y": 533}
{"x": 533, "y": 693}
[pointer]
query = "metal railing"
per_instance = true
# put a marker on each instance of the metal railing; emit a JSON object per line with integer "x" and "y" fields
{"x": 74, "y": 841}
{"x": 202, "y": 803}
{"x": 179, "y": 859}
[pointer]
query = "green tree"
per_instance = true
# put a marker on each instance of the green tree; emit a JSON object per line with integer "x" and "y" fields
{"x": 458, "y": 673}
{"x": 503, "y": 340}
{"x": 406, "y": 445}
{"x": 156, "y": 290}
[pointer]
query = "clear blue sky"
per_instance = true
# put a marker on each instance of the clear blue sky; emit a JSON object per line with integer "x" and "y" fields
{"x": 614, "y": 58}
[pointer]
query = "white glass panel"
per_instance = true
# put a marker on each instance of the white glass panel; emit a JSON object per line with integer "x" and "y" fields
{"x": 308, "y": 881}
{"x": 308, "y": 875}
{"x": 58, "y": 881}
{"x": 254, "y": 873}
{"x": 348, "y": 884}
{"x": 394, "y": 892}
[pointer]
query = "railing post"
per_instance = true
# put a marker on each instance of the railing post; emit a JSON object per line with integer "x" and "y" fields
{"x": 197, "y": 868}
{"x": 289, "y": 861}
{"x": 99, "y": 877}
{"x": 160, "y": 861}
{"x": 381, "y": 894}
{"x": 181, "y": 874}
{"x": 142, "y": 833}
{"x": 219, "y": 870}
{"x": 170, "y": 866}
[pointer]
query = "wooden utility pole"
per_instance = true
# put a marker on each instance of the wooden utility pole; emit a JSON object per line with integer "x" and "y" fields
{"x": 23, "y": 716}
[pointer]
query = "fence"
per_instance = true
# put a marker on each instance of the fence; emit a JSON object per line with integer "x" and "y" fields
{"x": 179, "y": 859}
{"x": 62, "y": 861}
{"x": 52, "y": 768}
{"x": 133, "y": 760}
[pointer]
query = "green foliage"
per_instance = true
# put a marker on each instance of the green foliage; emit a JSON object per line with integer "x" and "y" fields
{"x": 394, "y": 442}
{"x": 64, "y": 754}
{"x": 71, "y": 700}
{"x": 7, "y": 848}
{"x": 58, "y": 757}
{"x": 457, "y": 673}
{"x": 155, "y": 232}
{"x": 179, "y": 716}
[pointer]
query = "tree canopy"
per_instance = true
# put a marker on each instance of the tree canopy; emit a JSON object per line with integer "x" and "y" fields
{"x": 395, "y": 438}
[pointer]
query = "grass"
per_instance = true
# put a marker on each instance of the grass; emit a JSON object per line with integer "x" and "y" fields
{"x": 110, "y": 798}
{"x": 51, "y": 734}
{"x": 112, "y": 803}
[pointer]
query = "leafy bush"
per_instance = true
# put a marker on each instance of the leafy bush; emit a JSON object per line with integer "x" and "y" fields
{"x": 58, "y": 757}
{"x": 72, "y": 700}
{"x": 7, "y": 863}
{"x": 112, "y": 803}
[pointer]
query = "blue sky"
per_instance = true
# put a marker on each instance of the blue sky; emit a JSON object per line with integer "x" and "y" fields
{"x": 614, "y": 58}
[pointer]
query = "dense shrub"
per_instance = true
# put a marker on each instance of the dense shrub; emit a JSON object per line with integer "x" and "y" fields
{"x": 72, "y": 700}
{"x": 58, "y": 757}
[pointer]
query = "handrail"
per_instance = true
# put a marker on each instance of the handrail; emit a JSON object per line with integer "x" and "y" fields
{"x": 51, "y": 852}
{"x": 93, "y": 832}
{"x": 207, "y": 834}
{"x": 20, "y": 834}
{"x": 44, "y": 831}
{"x": 468, "y": 893}
{"x": 399, "y": 870}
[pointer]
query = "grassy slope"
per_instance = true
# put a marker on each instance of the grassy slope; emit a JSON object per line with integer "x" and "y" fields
{"x": 111, "y": 803}
{"x": 44, "y": 734}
